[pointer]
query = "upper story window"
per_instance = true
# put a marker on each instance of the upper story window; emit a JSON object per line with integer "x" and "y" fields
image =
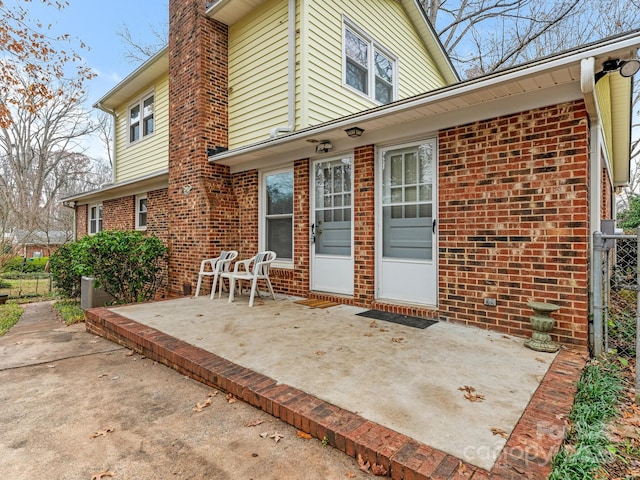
{"x": 368, "y": 68}
{"x": 277, "y": 194}
{"x": 141, "y": 118}
{"x": 95, "y": 218}
{"x": 141, "y": 212}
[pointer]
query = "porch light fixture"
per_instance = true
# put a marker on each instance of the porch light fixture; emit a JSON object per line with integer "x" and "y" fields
{"x": 354, "y": 132}
{"x": 323, "y": 146}
{"x": 626, "y": 68}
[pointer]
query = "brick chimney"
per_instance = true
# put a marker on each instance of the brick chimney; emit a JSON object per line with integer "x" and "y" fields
{"x": 202, "y": 212}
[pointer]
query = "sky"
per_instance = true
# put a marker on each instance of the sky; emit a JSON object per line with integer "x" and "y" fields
{"x": 96, "y": 23}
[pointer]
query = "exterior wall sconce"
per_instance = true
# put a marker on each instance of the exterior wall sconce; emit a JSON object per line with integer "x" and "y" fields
{"x": 324, "y": 146}
{"x": 627, "y": 68}
{"x": 354, "y": 132}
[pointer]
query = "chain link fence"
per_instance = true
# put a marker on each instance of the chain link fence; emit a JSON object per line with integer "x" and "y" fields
{"x": 616, "y": 305}
{"x": 25, "y": 285}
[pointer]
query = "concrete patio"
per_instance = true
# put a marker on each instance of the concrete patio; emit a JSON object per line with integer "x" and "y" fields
{"x": 468, "y": 402}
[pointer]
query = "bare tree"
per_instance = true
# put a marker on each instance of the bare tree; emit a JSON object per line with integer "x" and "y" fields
{"x": 105, "y": 132}
{"x": 36, "y": 153}
{"x": 138, "y": 51}
{"x": 27, "y": 48}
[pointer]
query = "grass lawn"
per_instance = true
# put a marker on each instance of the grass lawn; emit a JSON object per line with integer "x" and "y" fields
{"x": 9, "y": 315}
{"x": 70, "y": 311}
{"x": 30, "y": 286}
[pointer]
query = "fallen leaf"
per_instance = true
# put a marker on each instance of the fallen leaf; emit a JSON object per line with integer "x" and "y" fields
{"x": 384, "y": 330}
{"x": 102, "y": 433}
{"x": 264, "y": 434}
{"x": 499, "y": 431}
{"x": 255, "y": 423}
{"x": 230, "y": 398}
{"x": 51, "y": 366}
{"x": 462, "y": 468}
{"x": 541, "y": 360}
{"x": 348, "y": 474}
{"x": 200, "y": 406}
{"x": 276, "y": 436}
{"x": 320, "y": 353}
{"x": 213, "y": 394}
{"x": 378, "y": 470}
{"x": 200, "y": 315}
{"x": 130, "y": 353}
{"x": 368, "y": 334}
{"x": 104, "y": 473}
{"x": 373, "y": 324}
{"x": 364, "y": 466}
{"x": 103, "y": 375}
{"x": 93, "y": 341}
{"x": 304, "y": 435}
{"x": 397, "y": 339}
{"x": 470, "y": 395}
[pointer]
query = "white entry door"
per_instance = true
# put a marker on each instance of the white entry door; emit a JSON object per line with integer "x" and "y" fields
{"x": 407, "y": 247}
{"x": 332, "y": 226}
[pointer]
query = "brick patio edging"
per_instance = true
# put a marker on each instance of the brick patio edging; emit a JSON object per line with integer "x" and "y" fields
{"x": 527, "y": 453}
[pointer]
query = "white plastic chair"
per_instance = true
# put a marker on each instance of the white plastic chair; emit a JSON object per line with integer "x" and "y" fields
{"x": 219, "y": 266}
{"x": 253, "y": 269}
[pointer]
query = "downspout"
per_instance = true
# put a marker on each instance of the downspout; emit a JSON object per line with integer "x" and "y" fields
{"x": 113, "y": 139}
{"x": 587, "y": 86}
{"x": 291, "y": 73}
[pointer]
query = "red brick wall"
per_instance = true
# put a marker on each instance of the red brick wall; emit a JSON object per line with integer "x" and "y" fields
{"x": 245, "y": 189}
{"x": 82, "y": 219}
{"x": 513, "y": 209}
{"x": 607, "y": 196}
{"x": 202, "y": 207}
{"x": 364, "y": 225}
{"x": 119, "y": 213}
{"x": 157, "y": 209}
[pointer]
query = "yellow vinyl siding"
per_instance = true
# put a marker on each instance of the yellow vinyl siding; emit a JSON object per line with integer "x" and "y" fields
{"x": 258, "y": 74}
{"x": 150, "y": 154}
{"x": 389, "y": 26}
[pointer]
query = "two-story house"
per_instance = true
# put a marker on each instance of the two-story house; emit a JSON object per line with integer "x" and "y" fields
{"x": 339, "y": 136}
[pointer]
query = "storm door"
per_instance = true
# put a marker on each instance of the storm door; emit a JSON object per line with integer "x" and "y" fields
{"x": 407, "y": 248}
{"x": 332, "y": 226}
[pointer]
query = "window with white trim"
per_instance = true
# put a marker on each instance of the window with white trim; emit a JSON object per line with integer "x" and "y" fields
{"x": 368, "y": 67}
{"x": 95, "y": 218}
{"x": 141, "y": 118}
{"x": 277, "y": 196}
{"x": 141, "y": 212}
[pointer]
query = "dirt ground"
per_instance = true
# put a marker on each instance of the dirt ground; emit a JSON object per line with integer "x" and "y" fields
{"x": 75, "y": 406}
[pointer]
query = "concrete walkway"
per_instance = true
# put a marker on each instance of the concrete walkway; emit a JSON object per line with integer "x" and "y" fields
{"x": 459, "y": 390}
{"x": 75, "y": 405}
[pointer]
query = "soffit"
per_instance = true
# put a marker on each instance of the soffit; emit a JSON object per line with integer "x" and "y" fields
{"x": 142, "y": 77}
{"x": 230, "y": 11}
{"x": 136, "y": 186}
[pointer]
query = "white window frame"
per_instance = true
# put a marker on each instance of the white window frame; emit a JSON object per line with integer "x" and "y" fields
{"x": 140, "y": 104}
{"x": 373, "y": 46}
{"x": 262, "y": 212}
{"x": 94, "y": 225}
{"x": 139, "y": 225}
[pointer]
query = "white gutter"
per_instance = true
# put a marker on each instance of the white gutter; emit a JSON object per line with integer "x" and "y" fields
{"x": 113, "y": 139}
{"x": 291, "y": 74}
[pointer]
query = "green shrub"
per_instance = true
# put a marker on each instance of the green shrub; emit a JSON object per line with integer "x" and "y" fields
{"x": 25, "y": 265}
{"x": 64, "y": 266}
{"x": 127, "y": 264}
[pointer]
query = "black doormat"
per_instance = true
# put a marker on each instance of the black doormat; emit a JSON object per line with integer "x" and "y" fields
{"x": 397, "y": 318}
